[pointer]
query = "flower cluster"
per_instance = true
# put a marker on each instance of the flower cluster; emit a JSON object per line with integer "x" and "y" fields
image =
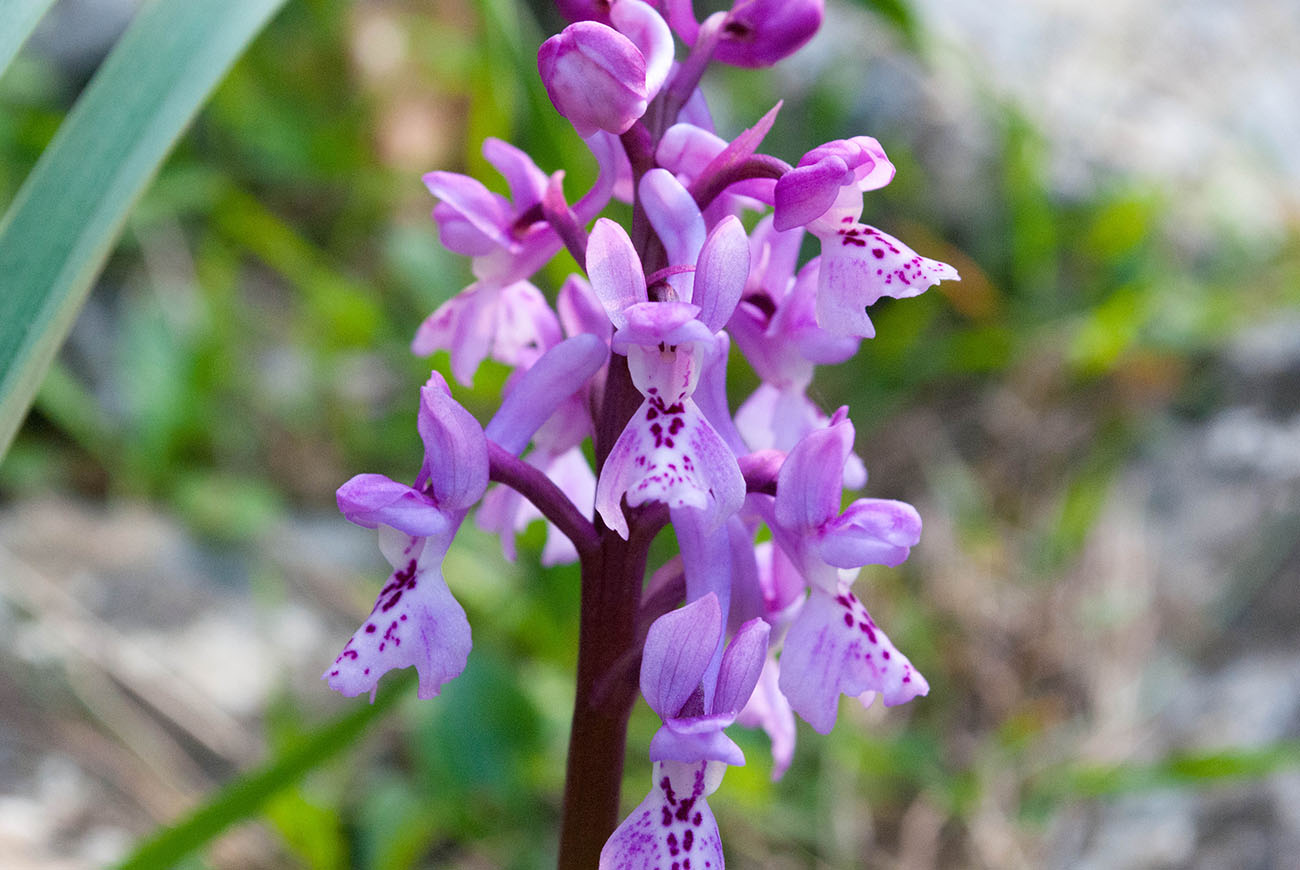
{"x": 633, "y": 355}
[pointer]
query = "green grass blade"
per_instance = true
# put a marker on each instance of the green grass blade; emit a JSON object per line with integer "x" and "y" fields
{"x": 62, "y": 224}
{"x": 245, "y": 797}
{"x": 18, "y": 18}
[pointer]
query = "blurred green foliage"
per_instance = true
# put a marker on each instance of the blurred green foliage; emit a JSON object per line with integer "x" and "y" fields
{"x": 246, "y": 351}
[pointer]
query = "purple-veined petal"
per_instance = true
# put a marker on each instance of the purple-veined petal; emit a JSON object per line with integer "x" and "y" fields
{"x": 614, "y": 269}
{"x": 455, "y": 452}
{"x": 678, "y": 648}
{"x": 835, "y": 648}
{"x": 371, "y": 500}
{"x": 560, "y": 372}
{"x": 871, "y": 531}
{"x": 721, "y": 272}
{"x": 640, "y": 23}
{"x": 676, "y": 220}
{"x": 808, "y": 488}
{"x": 673, "y": 823}
{"x": 416, "y": 621}
{"x": 741, "y": 665}
{"x": 859, "y": 264}
{"x": 768, "y": 709}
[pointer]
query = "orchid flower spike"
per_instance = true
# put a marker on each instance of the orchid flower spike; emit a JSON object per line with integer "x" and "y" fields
{"x": 416, "y": 620}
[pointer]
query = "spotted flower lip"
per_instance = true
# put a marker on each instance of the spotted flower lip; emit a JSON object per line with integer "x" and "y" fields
{"x": 858, "y": 265}
{"x": 673, "y": 825}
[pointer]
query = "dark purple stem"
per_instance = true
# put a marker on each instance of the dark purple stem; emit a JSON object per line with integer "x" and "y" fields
{"x": 530, "y": 482}
{"x": 565, "y": 223}
{"x": 708, "y": 187}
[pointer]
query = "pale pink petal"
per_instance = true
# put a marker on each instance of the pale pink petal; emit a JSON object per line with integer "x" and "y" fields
{"x": 455, "y": 451}
{"x": 640, "y": 23}
{"x": 614, "y": 269}
{"x": 834, "y": 648}
{"x": 672, "y": 825}
{"x": 859, "y": 264}
{"x": 721, "y": 273}
{"x": 415, "y": 622}
{"x": 670, "y": 454}
{"x": 677, "y": 651}
{"x": 768, "y": 709}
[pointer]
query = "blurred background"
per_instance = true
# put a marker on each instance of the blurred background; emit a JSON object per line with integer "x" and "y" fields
{"x": 1100, "y": 426}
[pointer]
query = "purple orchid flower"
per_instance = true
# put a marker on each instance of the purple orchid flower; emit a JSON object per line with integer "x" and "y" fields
{"x": 858, "y": 263}
{"x": 674, "y": 823}
{"x": 501, "y": 315}
{"x": 833, "y": 646}
{"x": 668, "y": 451}
{"x": 416, "y": 620}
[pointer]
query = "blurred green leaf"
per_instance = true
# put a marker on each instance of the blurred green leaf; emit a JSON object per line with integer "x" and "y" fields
{"x": 246, "y": 796}
{"x": 62, "y": 224}
{"x": 312, "y": 832}
{"x": 1180, "y": 769}
{"x": 20, "y": 18}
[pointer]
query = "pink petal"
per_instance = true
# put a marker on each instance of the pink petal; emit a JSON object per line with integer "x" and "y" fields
{"x": 721, "y": 272}
{"x": 859, "y": 264}
{"x": 371, "y": 500}
{"x": 768, "y": 709}
{"x": 675, "y": 217}
{"x": 677, "y": 651}
{"x": 672, "y": 825}
{"x": 808, "y": 488}
{"x": 415, "y": 621}
{"x": 871, "y": 531}
{"x": 741, "y": 665}
{"x": 640, "y": 23}
{"x": 614, "y": 269}
{"x": 455, "y": 451}
{"x": 835, "y": 648}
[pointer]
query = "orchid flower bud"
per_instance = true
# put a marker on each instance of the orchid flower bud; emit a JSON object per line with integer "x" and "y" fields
{"x": 755, "y": 33}
{"x": 595, "y": 76}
